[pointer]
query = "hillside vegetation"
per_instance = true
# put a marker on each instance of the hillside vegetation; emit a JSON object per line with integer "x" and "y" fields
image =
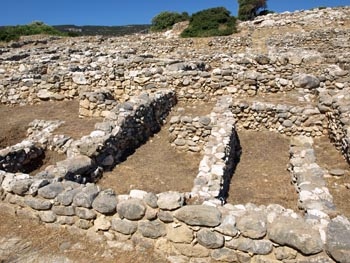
{"x": 9, "y": 33}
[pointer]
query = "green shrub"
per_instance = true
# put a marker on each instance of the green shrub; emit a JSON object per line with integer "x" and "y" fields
{"x": 9, "y": 33}
{"x": 211, "y": 22}
{"x": 165, "y": 20}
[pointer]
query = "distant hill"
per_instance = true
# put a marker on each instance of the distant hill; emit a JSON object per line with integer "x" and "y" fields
{"x": 102, "y": 30}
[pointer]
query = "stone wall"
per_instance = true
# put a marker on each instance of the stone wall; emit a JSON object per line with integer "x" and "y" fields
{"x": 189, "y": 133}
{"x": 221, "y": 155}
{"x": 285, "y": 119}
{"x": 20, "y": 157}
{"x": 63, "y": 69}
{"x": 181, "y": 232}
{"x": 125, "y": 128}
{"x": 336, "y": 107}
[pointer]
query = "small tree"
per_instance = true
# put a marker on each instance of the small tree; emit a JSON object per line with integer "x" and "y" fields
{"x": 165, "y": 20}
{"x": 211, "y": 22}
{"x": 248, "y": 9}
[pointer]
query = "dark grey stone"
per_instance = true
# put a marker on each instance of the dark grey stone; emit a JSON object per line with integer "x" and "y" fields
{"x": 86, "y": 196}
{"x": 132, "y": 209}
{"x": 124, "y": 226}
{"x": 66, "y": 197}
{"x": 38, "y": 204}
{"x": 210, "y": 239}
{"x": 63, "y": 210}
{"x": 50, "y": 191}
{"x": 151, "y": 200}
{"x": 306, "y": 81}
{"x": 105, "y": 202}
{"x": 152, "y": 229}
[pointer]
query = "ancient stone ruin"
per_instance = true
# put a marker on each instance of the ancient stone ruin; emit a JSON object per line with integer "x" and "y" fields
{"x": 286, "y": 73}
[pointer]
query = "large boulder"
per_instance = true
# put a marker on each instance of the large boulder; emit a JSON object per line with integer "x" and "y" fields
{"x": 296, "y": 234}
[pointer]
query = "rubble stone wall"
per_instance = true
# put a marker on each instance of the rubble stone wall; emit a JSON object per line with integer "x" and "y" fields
{"x": 286, "y": 119}
{"x": 189, "y": 133}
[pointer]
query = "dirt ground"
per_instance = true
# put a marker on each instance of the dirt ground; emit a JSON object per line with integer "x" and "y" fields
{"x": 16, "y": 119}
{"x": 329, "y": 158}
{"x": 24, "y": 240}
{"x": 261, "y": 176}
{"x": 156, "y": 166}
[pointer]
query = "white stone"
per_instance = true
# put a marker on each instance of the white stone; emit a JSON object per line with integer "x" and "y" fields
{"x": 139, "y": 194}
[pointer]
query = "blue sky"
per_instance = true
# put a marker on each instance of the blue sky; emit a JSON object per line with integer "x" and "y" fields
{"x": 126, "y": 12}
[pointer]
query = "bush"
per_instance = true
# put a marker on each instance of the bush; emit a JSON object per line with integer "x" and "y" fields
{"x": 211, "y": 22}
{"x": 9, "y": 33}
{"x": 165, "y": 20}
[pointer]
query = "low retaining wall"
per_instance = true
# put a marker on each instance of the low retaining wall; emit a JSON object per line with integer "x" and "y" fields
{"x": 338, "y": 111}
{"x": 289, "y": 120}
{"x": 181, "y": 232}
{"x": 221, "y": 155}
{"x": 189, "y": 133}
{"x": 126, "y": 127}
{"x": 308, "y": 178}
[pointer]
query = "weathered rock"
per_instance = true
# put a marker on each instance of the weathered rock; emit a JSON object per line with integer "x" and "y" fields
{"x": 285, "y": 253}
{"x": 132, "y": 209}
{"x": 85, "y": 213}
{"x": 296, "y": 234}
{"x": 66, "y": 197}
{"x": 170, "y": 200}
{"x": 102, "y": 223}
{"x": 306, "y": 81}
{"x": 151, "y": 200}
{"x": 210, "y": 239}
{"x": 165, "y": 216}
{"x": 38, "y": 204}
{"x": 228, "y": 226}
{"x": 338, "y": 239}
{"x": 50, "y": 191}
{"x": 152, "y": 229}
{"x": 258, "y": 247}
{"x": 197, "y": 215}
{"x": 21, "y": 187}
{"x": 124, "y": 226}
{"x": 253, "y": 225}
{"x": 192, "y": 251}
{"x": 86, "y": 196}
{"x": 105, "y": 202}
{"x": 179, "y": 234}
{"x": 76, "y": 165}
{"x": 63, "y": 210}
{"x": 47, "y": 216}
{"x": 224, "y": 255}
